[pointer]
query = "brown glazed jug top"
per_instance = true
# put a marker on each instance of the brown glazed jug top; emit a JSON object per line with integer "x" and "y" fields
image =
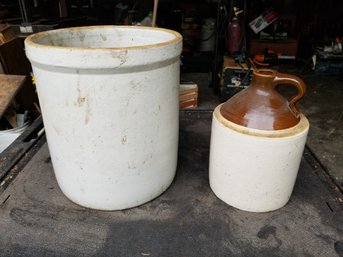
{"x": 261, "y": 106}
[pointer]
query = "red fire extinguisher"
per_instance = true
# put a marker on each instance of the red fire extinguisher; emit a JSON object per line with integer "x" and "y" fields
{"x": 235, "y": 34}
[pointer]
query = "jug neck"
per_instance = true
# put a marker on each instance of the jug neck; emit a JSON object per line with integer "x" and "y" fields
{"x": 263, "y": 78}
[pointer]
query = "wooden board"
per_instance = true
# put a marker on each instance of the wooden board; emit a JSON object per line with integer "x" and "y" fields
{"x": 9, "y": 86}
{"x": 287, "y": 47}
{"x": 14, "y": 61}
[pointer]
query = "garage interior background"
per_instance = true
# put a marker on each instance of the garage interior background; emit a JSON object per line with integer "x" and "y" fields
{"x": 304, "y": 40}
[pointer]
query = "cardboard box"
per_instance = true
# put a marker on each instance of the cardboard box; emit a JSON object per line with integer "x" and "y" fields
{"x": 263, "y": 21}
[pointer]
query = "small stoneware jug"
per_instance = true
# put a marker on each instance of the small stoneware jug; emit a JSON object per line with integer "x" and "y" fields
{"x": 257, "y": 142}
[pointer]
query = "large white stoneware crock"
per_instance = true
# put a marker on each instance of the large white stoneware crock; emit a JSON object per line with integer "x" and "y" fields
{"x": 109, "y": 99}
{"x": 254, "y": 161}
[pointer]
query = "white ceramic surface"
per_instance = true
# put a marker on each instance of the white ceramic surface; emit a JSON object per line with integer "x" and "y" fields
{"x": 8, "y": 136}
{"x": 109, "y": 99}
{"x": 254, "y": 170}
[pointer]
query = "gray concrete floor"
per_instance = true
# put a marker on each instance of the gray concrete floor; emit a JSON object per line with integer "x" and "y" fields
{"x": 323, "y": 106}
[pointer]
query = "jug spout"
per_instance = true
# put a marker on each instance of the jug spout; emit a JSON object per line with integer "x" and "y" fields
{"x": 263, "y": 77}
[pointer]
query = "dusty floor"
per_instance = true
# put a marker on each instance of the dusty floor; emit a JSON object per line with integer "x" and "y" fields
{"x": 323, "y": 106}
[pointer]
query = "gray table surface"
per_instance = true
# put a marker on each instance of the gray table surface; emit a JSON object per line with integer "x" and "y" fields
{"x": 36, "y": 219}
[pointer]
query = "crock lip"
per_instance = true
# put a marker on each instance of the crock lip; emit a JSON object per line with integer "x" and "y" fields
{"x": 299, "y": 128}
{"x": 30, "y": 41}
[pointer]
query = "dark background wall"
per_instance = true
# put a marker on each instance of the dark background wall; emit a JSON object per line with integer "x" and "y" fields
{"x": 317, "y": 21}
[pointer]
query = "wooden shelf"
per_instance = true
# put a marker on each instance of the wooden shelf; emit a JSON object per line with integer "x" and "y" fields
{"x": 287, "y": 47}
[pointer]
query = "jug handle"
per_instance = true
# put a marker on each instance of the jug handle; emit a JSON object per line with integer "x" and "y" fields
{"x": 282, "y": 78}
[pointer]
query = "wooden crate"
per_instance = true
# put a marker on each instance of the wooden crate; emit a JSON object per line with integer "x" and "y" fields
{"x": 188, "y": 95}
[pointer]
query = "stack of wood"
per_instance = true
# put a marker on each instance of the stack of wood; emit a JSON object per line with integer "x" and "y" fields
{"x": 188, "y": 95}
